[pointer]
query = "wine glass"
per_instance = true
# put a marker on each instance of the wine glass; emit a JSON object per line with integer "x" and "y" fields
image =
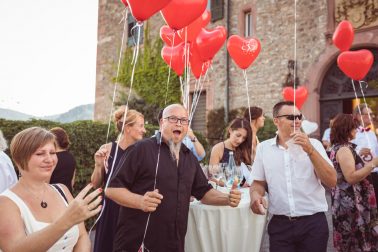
{"x": 216, "y": 172}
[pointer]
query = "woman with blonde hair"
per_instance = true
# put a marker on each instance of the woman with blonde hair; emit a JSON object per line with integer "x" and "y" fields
{"x": 37, "y": 216}
{"x": 106, "y": 160}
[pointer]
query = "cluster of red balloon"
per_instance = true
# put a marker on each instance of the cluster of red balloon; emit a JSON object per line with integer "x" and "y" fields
{"x": 185, "y": 32}
{"x": 354, "y": 64}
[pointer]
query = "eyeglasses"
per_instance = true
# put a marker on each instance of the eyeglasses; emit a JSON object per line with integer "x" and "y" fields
{"x": 173, "y": 119}
{"x": 291, "y": 117}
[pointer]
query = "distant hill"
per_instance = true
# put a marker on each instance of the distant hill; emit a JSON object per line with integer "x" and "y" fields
{"x": 82, "y": 112}
{"x": 14, "y": 115}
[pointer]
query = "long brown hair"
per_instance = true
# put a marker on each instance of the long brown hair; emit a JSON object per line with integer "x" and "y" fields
{"x": 243, "y": 151}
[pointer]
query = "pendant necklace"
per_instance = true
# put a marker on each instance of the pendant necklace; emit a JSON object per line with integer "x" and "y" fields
{"x": 43, "y": 203}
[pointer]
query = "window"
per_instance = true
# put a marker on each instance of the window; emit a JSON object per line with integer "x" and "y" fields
{"x": 132, "y": 32}
{"x": 248, "y": 24}
{"x": 216, "y": 7}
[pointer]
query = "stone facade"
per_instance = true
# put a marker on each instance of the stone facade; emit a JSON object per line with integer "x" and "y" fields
{"x": 110, "y": 29}
{"x": 273, "y": 23}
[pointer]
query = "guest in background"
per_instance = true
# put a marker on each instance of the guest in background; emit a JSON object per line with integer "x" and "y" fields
{"x": 354, "y": 207}
{"x": 326, "y": 139}
{"x": 133, "y": 130}
{"x": 8, "y": 176}
{"x": 239, "y": 141}
{"x": 36, "y": 216}
{"x": 255, "y": 116}
{"x": 64, "y": 171}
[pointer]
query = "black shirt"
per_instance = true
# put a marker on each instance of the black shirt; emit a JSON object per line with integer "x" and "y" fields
{"x": 167, "y": 225}
{"x": 64, "y": 170}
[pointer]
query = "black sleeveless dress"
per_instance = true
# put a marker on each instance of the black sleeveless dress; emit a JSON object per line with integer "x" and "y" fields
{"x": 107, "y": 224}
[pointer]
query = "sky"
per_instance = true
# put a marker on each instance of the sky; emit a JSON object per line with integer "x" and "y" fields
{"x": 47, "y": 55}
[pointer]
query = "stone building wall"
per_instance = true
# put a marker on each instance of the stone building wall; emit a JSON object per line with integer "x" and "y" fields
{"x": 108, "y": 46}
{"x": 273, "y": 22}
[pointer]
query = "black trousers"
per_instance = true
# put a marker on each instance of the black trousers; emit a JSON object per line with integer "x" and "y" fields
{"x": 304, "y": 234}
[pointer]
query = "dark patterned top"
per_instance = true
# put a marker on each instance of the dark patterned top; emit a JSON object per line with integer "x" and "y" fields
{"x": 354, "y": 209}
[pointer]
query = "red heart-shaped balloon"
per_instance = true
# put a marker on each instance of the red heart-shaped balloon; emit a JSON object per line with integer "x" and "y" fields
{"x": 143, "y": 9}
{"x": 243, "y": 51}
{"x": 124, "y": 2}
{"x": 175, "y": 55}
{"x": 197, "y": 66}
{"x": 300, "y": 95}
{"x": 180, "y": 13}
{"x": 195, "y": 27}
{"x": 343, "y": 36}
{"x": 355, "y": 64}
{"x": 209, "y": 42}
{"x": 168, "y": 35}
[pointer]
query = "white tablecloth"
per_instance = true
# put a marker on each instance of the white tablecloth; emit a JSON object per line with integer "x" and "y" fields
{"x": 223, "y": 228}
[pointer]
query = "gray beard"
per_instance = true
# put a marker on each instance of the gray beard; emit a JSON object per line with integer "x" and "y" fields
{"x": 174, "y": 148}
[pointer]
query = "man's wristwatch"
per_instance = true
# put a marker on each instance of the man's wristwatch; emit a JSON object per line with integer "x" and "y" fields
{"x": 194, "y": 140}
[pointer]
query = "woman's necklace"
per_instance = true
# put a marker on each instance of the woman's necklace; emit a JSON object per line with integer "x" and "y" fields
{"x": 43, "y": 203}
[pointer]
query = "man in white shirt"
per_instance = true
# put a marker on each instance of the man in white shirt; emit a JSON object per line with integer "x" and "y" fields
{"x": 366, "y": 140}
{"x": 293, "y": 168}
{"x": 8, "y": 176}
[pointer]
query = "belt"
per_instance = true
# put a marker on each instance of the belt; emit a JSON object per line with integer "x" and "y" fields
{"x": 293, "y": 218}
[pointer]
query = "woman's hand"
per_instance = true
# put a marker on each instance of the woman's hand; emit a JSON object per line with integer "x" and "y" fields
{"x": 83, "y": 206}
{"x": 101, "y": 155}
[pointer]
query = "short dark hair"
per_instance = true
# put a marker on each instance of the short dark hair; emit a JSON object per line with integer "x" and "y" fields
{"x": 277, "y": 107}
{"x": 160, "y": 115}
{"x": 256, "y": 112}
{"x": 61, "y": 137}
{"x": 342, "y": 128}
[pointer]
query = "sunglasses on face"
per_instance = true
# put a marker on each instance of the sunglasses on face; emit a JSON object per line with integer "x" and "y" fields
{"x": 291, "y": 117}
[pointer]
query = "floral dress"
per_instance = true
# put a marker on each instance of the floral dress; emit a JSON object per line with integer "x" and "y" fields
{"x": 354, "y": 209}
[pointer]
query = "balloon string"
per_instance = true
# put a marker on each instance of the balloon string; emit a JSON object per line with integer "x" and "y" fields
{"x": 169, "y": 70}
{"x": 125, "y": 14}
{"x": 295, "y": 54}
{"x": 118, "y": 70}
{"x": 363, "y": 95}
{"x": 359, "y": 111}
{"x": 197, "y": 96}
{"x": 249, "y": 105}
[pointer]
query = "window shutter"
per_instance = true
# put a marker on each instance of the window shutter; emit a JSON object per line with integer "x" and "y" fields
{"x": 216, "y": 10}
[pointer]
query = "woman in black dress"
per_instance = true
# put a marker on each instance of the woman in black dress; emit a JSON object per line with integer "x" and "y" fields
{"x": 64, "y": 172}
{"x": 133, "y": 130}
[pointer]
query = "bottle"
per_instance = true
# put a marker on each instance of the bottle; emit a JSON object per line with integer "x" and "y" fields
{"x": 229, "y": 173}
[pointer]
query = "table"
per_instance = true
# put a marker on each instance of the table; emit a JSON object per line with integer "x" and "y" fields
{"x": 223, "y": 228}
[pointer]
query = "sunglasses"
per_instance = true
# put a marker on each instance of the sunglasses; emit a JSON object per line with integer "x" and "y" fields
{"x": 291, "y": 117}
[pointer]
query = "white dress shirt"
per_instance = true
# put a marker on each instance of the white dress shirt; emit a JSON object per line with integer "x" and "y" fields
{"x": 366, "y": 139}
{"x": 293, "y": 187}
{"x": 8, "y": 176}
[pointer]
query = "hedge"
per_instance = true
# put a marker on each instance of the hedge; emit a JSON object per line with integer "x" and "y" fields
{"x": 85, "y": 136}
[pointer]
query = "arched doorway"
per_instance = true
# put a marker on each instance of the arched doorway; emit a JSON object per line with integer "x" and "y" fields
{"x": 337, "y": 95}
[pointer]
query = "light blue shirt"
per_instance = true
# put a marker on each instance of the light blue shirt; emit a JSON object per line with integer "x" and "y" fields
{"x": 327, "y": 135}
{"x": 190, "y": 145}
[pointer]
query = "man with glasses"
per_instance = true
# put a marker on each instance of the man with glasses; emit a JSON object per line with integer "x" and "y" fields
{"x": 156, "y": 178}
{"x": 296, "y": 194}
{"x": 366, "y": 140}
{"x": 190, "y": 141}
